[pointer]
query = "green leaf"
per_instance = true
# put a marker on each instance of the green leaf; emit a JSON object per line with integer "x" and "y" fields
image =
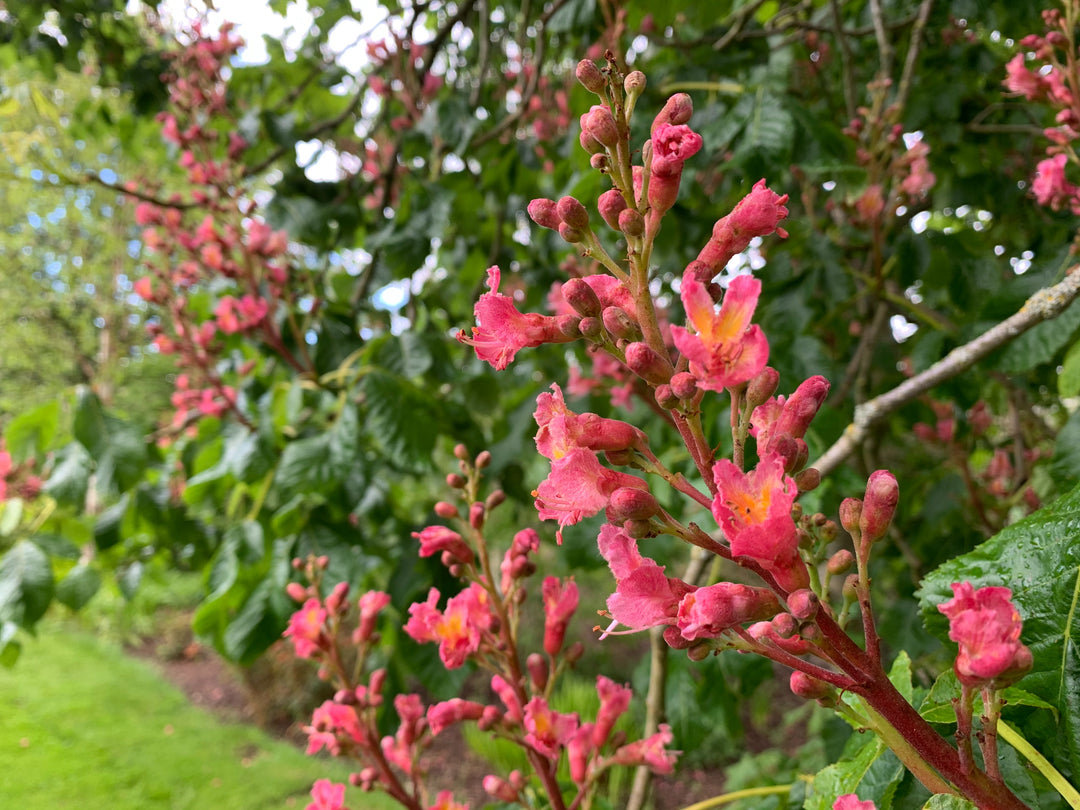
{"x": 1069, "y": 378}
{"x": 1039, "y": 344}
{"x": 843, "y": 777}
{"x": 78, "y": 587}
{"x": 128, "y": 578}
{"x": 900, "y": 675}
{"x": 70, "y": 476}
{"x": 943, "y": 801}
{"x": 107, "y": 526}
{"x": 118, "y": 447}
{"x": 937, "y": 706}
{"x": 1065, "y": 465}
{"x": 26, "y": 584}
{"x": 11, "y": 513}
{"x": 31, "y": 432}
{"x": 1039, "y": 559}
{"x": 9, "y": 647}
{"x": 403, "y": 416}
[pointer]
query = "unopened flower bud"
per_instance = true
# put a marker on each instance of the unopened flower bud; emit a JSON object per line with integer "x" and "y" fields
{"x": 803, "y": 603}
{"x": 296, "y": 591}
{"x": 699, "y": 652}
{"x": 631, "y": 223}
{"x": 809, "y": 631}
{"x": 522, "y": 567}
{"x": 599, "y": 161}
{"x": 489, "y": 718}
{"x": 494, "y": 499}
{"x": 569, "y": 325}
{"x": 829, "y": 531}
{"x": 788, "y": 449}
{"x": 499, "y": 788}
{"x": 851, "y": 587}
{"x": 629, "y": 503}
{"x": 574, "y": 652}
{"x": 762, "y": 386}
{"x": 600, "y": 123}
{"x": 446, "y": 510}
{"x": 802, "y": 455}
{"x": 808, "y": 479}
{"x": 572, "y": 235}
{"x": 591, "y": 328}
{"x": 666, "y": 398}
{"x": 581, "y": 297}
{"x": 483, "y": 460}
{"x": 639, "y": 529}
{"x": 590, "y": 144}
{"x": 619, "y": 458}
{"x": 573, "y": 213}
{"x": 809, "y": 687}
{"x": 620, "y": 324}
{"x": 634, "y": 83}
{"x": 879, "y": 505}
{"x": 476, "y": 515}
{"x": 806, "y": 540}
{"x": 850, "y": 514}
{"x": 647, "y": 363}
{"x": 677, "y": 110}
{"x": 611, "y": 203}
{"x": 684, "y": 385}
{"x": 544, "y": 213}
{"x": 840, "y": 562}
{"x": 785, "y": 625}
{"x": 674, "y": 639}
{"x": 538, "y": 671}
{"x": 590, "y": 76}
{"x": 460, "y": 450}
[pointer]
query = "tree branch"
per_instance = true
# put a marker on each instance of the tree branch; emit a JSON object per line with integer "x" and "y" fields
{"x": 1044, "y": 305}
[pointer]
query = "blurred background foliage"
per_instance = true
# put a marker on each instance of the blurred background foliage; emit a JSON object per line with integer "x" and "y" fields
{"x": 398, "y": 147}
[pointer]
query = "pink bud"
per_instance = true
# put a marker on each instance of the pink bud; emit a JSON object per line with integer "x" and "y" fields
{"x": 620, "y": 324}
{"x": 590, "y": 144}
{"x": 611, "y": 203}
{"x": 803, "y": 604}
{"x": 476, "y": 515}
{"x": 665, "y": 397}
{"x": 808, "y": 480}
{"x": 544, "y": 213}
{"x": 573, "y": 213}
{"x": 581, "y": 297}
{"x": 806, "y": 686}
{"x": 446, "y": 510}
{"x": 677, "y": 110}
{"x": 629, "y": 503}
{"x": 499, "y": 788}
{"x": 634, "y": 83}
{"x": 840, "y": 562}
{"x": 631, "y": 223}
{"x": 879, "y": 505}
{"x": 684, "y": 385}
{"x": 296, "y": 591}
{"x": 648, "y": 364}
{"x": 850, "y": 515}
{"x": 600, "y": 123}
{"x": 538, "y": 671}
{"x": 763, "y": 386}
{"x": 570, "y": 234}
{"x": 591, "y": 327}
{"x": 590, "y": 76}
{"x": 784, "y": 625}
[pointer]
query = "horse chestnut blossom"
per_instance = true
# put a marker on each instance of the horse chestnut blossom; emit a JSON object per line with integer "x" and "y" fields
{"x": 986, "y": 625}
{"x": 458, "y": 629}
{"x": 503, "y": 330}
{"x": 754, "y": 511}
{"x": 327, "y": 796}
{"x": 849, "y": 801}
{"x": 306, "y": 628}
{"x": 757, "y": 214}
{"x": 726, "y": 350}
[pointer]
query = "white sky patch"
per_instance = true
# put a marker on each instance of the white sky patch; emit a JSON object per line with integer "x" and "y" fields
{"x": 902, "y": 328}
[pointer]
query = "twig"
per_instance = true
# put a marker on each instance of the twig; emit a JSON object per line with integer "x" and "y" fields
{"x": 1044, "y": 305}
{"x": 913, "y": 53}
{"x": 846, "y": 59}
{"x": 885, "y": 47}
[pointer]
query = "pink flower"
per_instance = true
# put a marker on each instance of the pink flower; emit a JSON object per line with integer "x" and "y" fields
{"x": 331, "y": 723}
{"x": 371, "y": 604}
{"x": 503, "y": 330}
{"x": 437, "y": 539}
{"x": 327, "y": 796}
{"x": 509, "y": 698}
{"x": 650, "y": 752}
{"x": 614, "y": 701}
{"x": 548, "y": 731}
{"x": 445, "y": 801}
{"x": 1050, "y": 185}
{"x": 1018, "y": 79}
{"x": 562, "y": 430}
{"x": 726, "y": 350}
{"x": 458, "y": 630}
{"x": 560, "y": 602}
{"x": 987, "y": 626}
{"x": 578, "y": 487}
{"x": 920, "y": 179}
{"x": 306, "y": 628}
{"x": 644, "y": 597}
{"x": 445, "y": 714}
{"x": 672, "y": 144}
{"x": 757, "y": 214}
{"x": 754, "y": 511}
{"x": 849, "y": 801}
{"x": 709, "y": 611}
{"x": 675, "y": 143}
{"x": 788, "y": 417}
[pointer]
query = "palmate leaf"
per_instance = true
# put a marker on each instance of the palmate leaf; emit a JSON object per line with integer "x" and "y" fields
{"x": 1039, "y": 558}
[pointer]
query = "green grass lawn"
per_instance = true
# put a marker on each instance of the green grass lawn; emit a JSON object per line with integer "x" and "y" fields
{"x": 84, "y": 727}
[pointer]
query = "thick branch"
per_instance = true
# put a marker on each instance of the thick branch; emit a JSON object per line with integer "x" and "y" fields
{"x": 1044, "y": 305}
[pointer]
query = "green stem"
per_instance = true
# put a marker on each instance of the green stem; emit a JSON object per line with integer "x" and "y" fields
{"x": 1062, "y": 785}
{"x": 736, "y": 795}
